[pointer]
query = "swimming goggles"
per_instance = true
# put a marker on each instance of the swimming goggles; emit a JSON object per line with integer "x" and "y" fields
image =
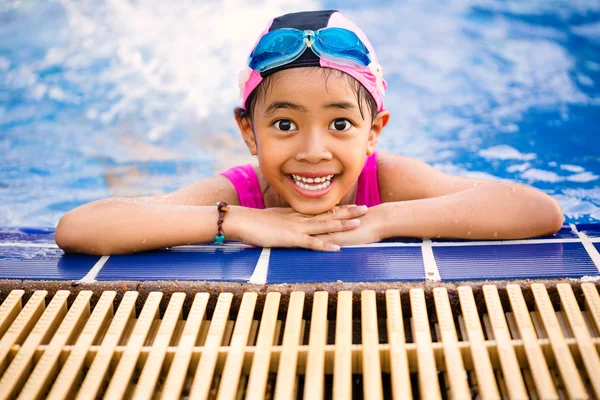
{"x": 282, "y": 46}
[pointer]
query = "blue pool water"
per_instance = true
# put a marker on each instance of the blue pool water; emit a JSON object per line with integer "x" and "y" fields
{"x": 111, "y": 98}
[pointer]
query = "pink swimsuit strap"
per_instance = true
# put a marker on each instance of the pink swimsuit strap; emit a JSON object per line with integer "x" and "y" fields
{"x": 246, "y": 184}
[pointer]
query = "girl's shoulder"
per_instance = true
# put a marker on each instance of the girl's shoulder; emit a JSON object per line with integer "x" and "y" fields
{"x": 402, "y": 178}
{"x": 396, "y": 177}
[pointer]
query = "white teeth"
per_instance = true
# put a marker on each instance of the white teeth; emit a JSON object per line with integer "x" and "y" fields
{"x": 298, "y": 178}
{"x": 312, "y": 187}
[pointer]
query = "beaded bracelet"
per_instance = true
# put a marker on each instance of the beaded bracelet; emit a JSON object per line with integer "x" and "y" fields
{"x": 222, "y": 207}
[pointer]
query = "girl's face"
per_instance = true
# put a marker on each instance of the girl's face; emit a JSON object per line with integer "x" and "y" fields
{"x": 310, "y": 137}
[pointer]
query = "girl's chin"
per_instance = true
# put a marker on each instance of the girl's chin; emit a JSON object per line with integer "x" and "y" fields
{"x": 312, "y": 209}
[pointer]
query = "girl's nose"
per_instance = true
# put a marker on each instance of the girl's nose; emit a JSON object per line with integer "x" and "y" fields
{"x": 313, "y": 148}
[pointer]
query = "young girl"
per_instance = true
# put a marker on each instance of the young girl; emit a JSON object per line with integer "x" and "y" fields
{"x": 312, "y": 112}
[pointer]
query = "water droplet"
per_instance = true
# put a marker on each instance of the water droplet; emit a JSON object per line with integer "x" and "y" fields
{"x": 456, "y": 221}
{"x": 495, "y": 234}
{"x": 144, "y": 241}
{"x": 469, "y": 233}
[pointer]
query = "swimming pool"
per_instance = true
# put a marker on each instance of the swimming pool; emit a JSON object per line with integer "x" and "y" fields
{"x": 126, "y": 98}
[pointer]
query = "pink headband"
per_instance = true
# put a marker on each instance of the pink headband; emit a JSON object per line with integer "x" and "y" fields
{"x": 371, "y": 77}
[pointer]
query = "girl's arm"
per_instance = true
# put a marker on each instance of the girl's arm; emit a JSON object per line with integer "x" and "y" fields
{"x": 125, "y": 225}
{"x": 189, "y": 215}
{"x": 421, "y": 201}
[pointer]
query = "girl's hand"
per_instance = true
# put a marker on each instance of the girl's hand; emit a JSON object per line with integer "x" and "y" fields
{"x": 284, "y": 227}
{"x": 367, "y": 232}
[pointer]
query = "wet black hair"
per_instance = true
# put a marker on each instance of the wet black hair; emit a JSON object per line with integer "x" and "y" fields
{"x": 262, "y": 89}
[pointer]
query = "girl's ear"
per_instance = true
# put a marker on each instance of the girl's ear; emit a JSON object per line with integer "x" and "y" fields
{"x": 243, "y": 121}
{"x": 380, "y": 121}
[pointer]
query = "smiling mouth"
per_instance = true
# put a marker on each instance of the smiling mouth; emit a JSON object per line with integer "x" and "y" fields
{"x": 313, "y": 184}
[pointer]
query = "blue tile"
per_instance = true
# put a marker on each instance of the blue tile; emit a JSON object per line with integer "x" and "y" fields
{"x": 43, "y": 263}
{"x": 187, "y": 263}
{"x": 551, "y": 260}
{"x": 591, "y": 230}
{"x": 358, "y": 264}
{"x": 29, "y": 235}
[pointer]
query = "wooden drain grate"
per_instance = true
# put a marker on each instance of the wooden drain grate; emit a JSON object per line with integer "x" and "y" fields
{"x": 492, "y": 343}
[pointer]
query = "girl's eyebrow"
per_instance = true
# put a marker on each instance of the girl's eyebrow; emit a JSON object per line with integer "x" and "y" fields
{"x": 276, "y": 105}
{"x": 345, "y": 105}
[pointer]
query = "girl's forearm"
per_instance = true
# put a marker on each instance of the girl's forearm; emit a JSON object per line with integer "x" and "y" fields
{"x": 120, "y": 226}
{"x": 491, "y": 211}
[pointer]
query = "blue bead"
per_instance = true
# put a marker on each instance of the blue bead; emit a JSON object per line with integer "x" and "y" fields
{"x": 219, "y": 239}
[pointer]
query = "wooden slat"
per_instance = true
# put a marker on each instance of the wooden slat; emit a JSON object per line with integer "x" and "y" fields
{"x": 511, "y": 369}
{"x": 72, "y": 369}
{"x": 259, "y": 371}
{"x": 399, "y": 371}
{"x": 120, "y": 380}
{"x": 372, "y": 384}
{"x": 46, "y": 368}
{"x": 22, "y": 325}
{"x": 459, "y": 388}
{"x": 538, "y": 366}
{"x": 342, "y": 363}
{"x": 21, "y": 365}
{"x": 233, "y": 365}
{"x": 183, "y": 353}
{"x": 9, "y": 309}
{"x": 288, "y": 359}
{"x": 429, "y": 387}
{"x": 210, "y": 351}
{"x": 488, "y": 388}
{"x": 314, "y": 383}
{"x": 564, "y": 359}
{"x": 154, "y": 362}
{"x": 592, "y": 303}
{"x": 95, "y": 375}
{"x": 587, "y": 349}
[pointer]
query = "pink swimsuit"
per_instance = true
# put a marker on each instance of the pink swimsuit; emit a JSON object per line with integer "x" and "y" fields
{"x": 245, "y": 181}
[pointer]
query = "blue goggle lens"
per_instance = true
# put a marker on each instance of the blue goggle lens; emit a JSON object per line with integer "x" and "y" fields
{"x": 283, "y": 46}
{"x": 339, "y": 39}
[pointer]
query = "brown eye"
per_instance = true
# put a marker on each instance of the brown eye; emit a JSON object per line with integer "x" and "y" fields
{"x": 340, "y": 125}
{"x": 285, "y": 125}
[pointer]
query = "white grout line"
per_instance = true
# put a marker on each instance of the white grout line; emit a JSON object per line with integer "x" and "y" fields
{"x": 587, "y": 243}
{"x": 212, "y": 246}
{"x": 259, "y": 276}
{"x": 27, "y": 244}
{"x": 504, "y": 242}
{"x": 431, "y": 269}
{"x": 466, "y": 244}
{"x": 90, "y": 277}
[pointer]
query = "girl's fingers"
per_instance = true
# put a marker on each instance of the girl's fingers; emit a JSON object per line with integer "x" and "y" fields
{"x": 342, "y": 212}
{"x": 313, "y": 243}
{"x": 317, "y": 227}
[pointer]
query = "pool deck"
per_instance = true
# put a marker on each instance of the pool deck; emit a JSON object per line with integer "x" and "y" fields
{"x": 30, "y": 260}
